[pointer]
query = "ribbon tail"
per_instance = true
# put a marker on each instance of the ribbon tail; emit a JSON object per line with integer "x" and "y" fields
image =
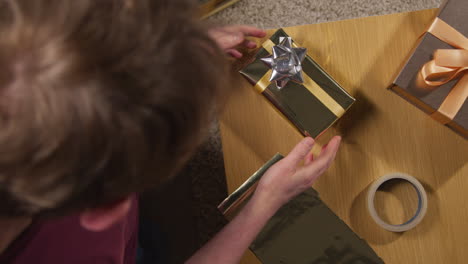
{"x": 454, "y": 101}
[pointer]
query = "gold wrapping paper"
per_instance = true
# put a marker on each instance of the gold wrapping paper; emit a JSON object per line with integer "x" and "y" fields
{"x": 312, "y": 106}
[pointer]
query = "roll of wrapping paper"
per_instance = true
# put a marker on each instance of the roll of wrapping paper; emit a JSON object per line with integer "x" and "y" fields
{"x": 312, "y": 107}
{"x": 234, "y": 201}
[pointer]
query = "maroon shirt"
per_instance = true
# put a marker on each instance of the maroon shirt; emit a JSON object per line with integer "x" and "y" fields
{"x": 63, "y": 240}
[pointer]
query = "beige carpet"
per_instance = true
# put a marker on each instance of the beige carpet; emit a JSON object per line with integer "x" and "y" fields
{"x": 283, "y": 13}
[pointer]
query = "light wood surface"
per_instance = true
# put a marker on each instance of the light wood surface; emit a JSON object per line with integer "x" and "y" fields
{"x": 382, "y": 134}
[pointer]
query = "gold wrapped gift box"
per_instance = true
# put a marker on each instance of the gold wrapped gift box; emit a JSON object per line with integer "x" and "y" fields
{"x": 312, "y": 106}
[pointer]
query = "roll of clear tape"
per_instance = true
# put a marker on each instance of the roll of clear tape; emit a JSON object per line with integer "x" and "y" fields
{"x": 422, "y": 202}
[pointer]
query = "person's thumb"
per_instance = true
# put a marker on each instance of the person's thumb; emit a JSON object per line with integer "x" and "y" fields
{"x": 299, "y": 152}
{"x": 230, "y": 40}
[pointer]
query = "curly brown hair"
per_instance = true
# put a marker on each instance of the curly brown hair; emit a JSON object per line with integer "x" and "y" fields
{"x": 99, "y": 99}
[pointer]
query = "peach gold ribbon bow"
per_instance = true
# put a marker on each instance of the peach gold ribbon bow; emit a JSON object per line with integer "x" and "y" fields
{"x": 447, "y": 65}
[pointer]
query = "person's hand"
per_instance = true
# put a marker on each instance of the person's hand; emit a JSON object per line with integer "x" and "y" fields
{"x": 295, "y": 173}
{"x": 229, "y": 38}
{"x": 283, "y": 181}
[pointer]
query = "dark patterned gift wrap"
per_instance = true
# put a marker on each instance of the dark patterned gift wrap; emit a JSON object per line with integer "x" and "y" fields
{"x": 303, "y": 231}
{"x": 311, "y": 106}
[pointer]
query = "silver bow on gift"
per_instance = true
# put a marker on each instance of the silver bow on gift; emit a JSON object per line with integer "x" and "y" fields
{"x": 285, "y": 63}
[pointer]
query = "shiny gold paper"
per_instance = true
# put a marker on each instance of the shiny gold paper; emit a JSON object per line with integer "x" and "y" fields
{"x": 312, "y": 106}
{"x": 303, "y": 231}
{"x": 231, "y": 204}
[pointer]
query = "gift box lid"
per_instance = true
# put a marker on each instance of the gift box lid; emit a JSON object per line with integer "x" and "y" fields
{"x": 454, "y": 13}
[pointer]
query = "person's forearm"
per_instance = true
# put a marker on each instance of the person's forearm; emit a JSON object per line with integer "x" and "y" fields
{"x": 230, "y": 243}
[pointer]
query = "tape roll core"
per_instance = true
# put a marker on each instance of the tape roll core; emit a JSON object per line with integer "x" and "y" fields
{"x": 422, "y": 202}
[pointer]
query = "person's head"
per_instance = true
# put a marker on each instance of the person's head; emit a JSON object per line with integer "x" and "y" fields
{"x": 99, "y": 99}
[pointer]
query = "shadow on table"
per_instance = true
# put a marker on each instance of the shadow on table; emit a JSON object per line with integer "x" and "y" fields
{"x": 434, "y": 149}
{"x": 421, "y": 143}
{"x": 357, "y": 116}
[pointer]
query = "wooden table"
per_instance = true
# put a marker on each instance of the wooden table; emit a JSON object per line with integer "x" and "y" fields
{"x": 382, "y": 133}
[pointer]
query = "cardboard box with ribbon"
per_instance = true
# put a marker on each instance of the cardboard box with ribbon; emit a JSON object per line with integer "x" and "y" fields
{"x": 435, "y": 77}
{"x": 296, "y": 85}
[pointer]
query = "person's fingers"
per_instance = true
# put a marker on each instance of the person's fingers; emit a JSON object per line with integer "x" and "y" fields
{"x": 324, "y": 147}
{"x": 330, "y": 149}
{"x": 252, "y": 31}
{"x": 227, "y": 40}
{"x": 231, "y": 36}
{"x": 234, "y": 53}
{"x": 308, "y": 159}
{"x": 326, "y": 157}
{"x": 249, "y": 44}
{"x": 299, "y": 152}
{"x": 247, "y": 30}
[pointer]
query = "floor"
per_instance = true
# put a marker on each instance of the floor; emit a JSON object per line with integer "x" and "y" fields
{"x": 284, "y": 13}
{"x": 186, "y": 209}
